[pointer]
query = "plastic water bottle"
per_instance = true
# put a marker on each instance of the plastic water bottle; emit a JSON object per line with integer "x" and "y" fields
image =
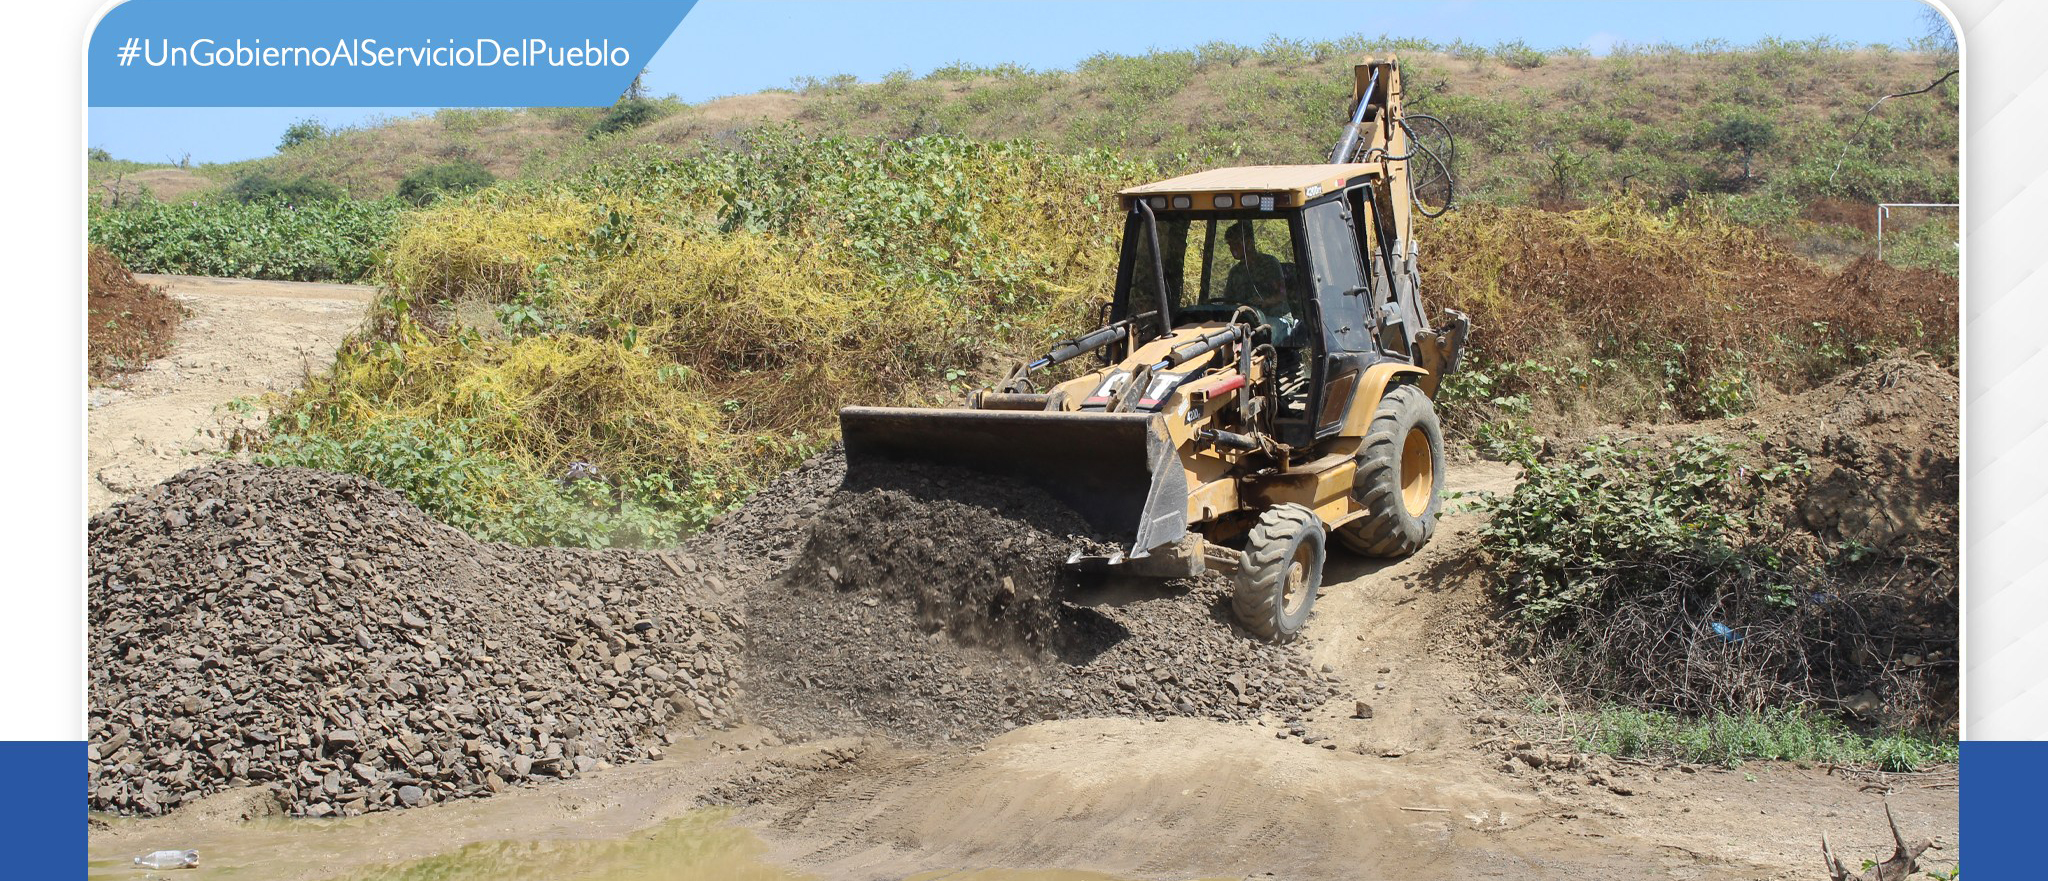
{"x": 169, "y": 859}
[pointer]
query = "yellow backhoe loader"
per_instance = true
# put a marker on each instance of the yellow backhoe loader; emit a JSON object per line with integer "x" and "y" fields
{"x": 1267, "y": 378}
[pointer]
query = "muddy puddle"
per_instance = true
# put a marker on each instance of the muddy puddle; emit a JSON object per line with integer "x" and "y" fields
{"x": 700, "y": 846}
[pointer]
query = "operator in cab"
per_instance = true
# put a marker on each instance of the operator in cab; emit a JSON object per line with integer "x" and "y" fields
{"x": 1257, "y": 280}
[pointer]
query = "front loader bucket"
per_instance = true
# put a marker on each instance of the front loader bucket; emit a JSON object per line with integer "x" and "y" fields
{"x": 1119, "y": 471}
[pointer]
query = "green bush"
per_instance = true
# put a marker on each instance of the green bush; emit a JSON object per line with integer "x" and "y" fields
{"x": 628, "y": 114}
{"x": 1520, "y": 55}
{"x": 1743, "y": 134}
{"x": 301, "y": 191}
{"x": 320, "y": 241}
{"x": 1621, "y": 518}
{"x": 696, "y": 320}
{"x": 305, "y": 131}
{"x": 493, "y": 498}
{"x": 424, "y": 186}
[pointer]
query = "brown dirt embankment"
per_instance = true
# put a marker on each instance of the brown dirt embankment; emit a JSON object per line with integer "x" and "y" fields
{"x": 128, "y": 323}
{"x": 1858, "y": 535}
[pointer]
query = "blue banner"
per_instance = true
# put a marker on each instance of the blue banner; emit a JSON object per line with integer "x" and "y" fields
{"x": 371, "y": 53}
{"x": 2002, "y": 784}
{"x": 46, "y": 839}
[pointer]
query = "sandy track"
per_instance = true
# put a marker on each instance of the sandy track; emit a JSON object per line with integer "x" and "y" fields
{"x": 241, "y": 338}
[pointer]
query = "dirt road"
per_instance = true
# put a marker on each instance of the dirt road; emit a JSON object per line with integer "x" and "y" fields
{"x": 1426, "y": 788}
{"x": 241, "y": 339}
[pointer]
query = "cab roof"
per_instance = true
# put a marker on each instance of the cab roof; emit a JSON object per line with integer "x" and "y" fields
{"x": 1289, "y": 185}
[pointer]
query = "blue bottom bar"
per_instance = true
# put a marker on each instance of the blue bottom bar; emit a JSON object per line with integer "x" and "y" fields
{"x": 2003, "y": 782}
{"x": 45, "y": 839}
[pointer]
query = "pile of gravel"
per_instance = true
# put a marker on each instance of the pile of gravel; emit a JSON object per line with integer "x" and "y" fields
{"x": 931, "y": 605}
{"x": 316, "y": 633}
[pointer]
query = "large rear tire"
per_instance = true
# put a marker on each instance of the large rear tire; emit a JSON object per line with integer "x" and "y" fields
{"x": 1400, "y": 477}
{"x": 1283, "y": 569}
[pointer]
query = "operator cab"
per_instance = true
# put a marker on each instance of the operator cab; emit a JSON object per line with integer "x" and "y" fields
{"x": 1284, "y": 242}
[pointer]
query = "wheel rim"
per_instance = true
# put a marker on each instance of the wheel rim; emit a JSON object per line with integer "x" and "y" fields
{"x": 1294, "y": 591}
{"x": 1418, "y": 472}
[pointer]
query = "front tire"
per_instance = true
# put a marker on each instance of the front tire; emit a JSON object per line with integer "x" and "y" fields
{"x": 1283, "y": 568}
{"x": 1400, "y": 478}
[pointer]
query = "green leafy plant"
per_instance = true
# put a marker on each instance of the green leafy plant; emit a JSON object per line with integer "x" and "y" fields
{"x": 302, "y": 191}
{"x": 305, "y": 131}
{"x": 438, "y": 467}
{"x": 424, "y": 186}
{"x": 1621, "y": 516}
{"x": 337, "y": 240}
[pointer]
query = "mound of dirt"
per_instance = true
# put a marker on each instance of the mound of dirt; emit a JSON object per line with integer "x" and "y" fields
{"x": 928, "y": 604}
{"x": 1850, "y": 599}
{"x": 317, "y": 633}
{"x": 1883, "y": 447}
{"x": 1878, "y": 510}
{"x": 128, "y": 323}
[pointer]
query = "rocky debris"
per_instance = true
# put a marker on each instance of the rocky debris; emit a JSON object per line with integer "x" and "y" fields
{"x": 317, "y": 634}
{"x": 932, "y": 605}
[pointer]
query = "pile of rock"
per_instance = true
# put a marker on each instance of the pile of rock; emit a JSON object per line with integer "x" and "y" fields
{"x": 317, "y": 633}
{"x": 932, "y": 605}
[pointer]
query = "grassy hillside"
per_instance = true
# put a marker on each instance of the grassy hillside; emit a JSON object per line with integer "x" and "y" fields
{"x": 1532, "y": 126}
{"x": 1775, "y": 136}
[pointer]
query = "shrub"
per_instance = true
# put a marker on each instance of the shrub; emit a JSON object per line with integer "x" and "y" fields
{"x": 260, "y": 187}
{"x": 424, "y": 186}
{"x": 1669, "y": 575}
{"x": 1520, "y": 55}
{"x": 305, "y": 131}
{"x": 1620, "y": 517}
{"x": 1682, "y": 303}
{"x": 474, "y": 489}
{"x": 1744, "y": 134}
{"x": 628, "y": 114}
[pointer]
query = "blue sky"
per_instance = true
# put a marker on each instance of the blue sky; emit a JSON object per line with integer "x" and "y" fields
{"x": 727, "y": 47}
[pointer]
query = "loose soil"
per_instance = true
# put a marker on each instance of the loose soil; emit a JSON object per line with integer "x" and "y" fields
{"x": 239, "y": 340}
{"x": 928, "y": 604}
{"x": 128, "y": 323}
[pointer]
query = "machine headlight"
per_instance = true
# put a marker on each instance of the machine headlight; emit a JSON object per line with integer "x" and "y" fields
{"x": 1226, "y": 201}
{"x": 1183, "y": 202}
